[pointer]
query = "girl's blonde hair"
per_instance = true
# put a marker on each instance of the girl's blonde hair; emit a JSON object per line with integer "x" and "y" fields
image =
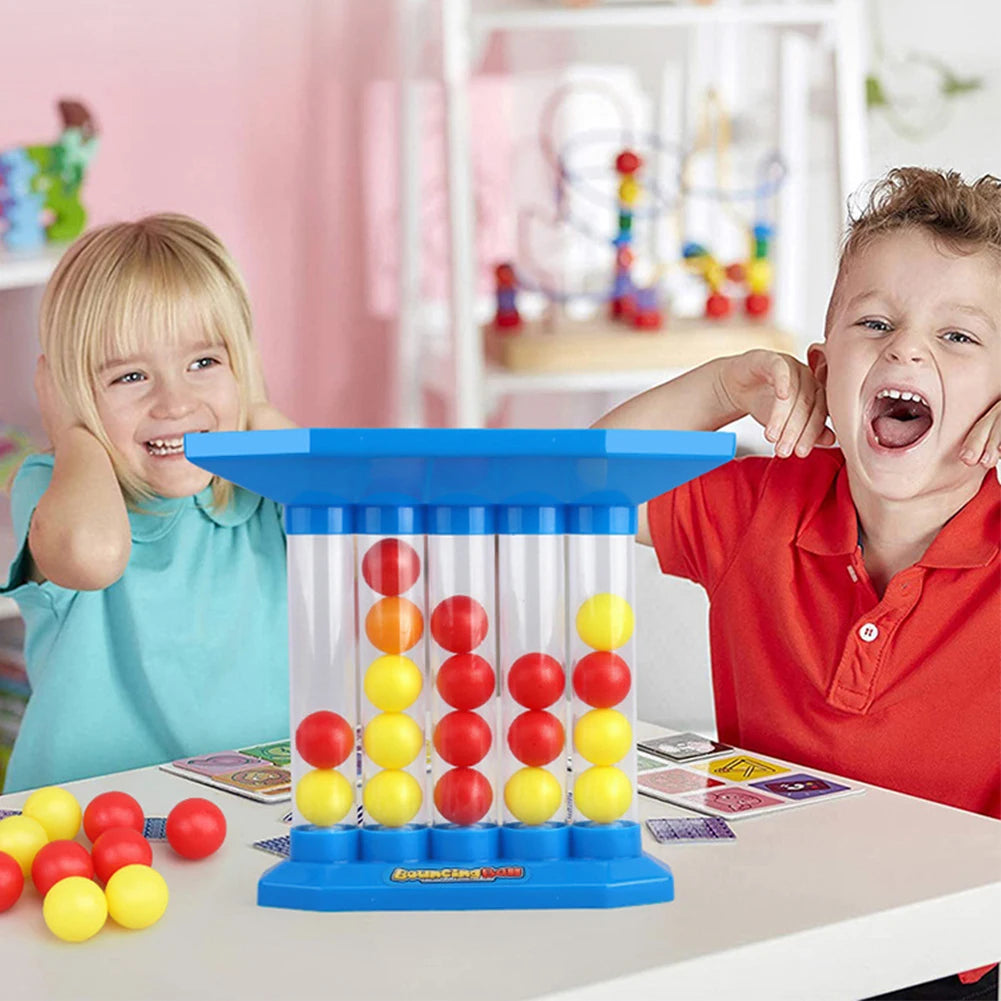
{"x": 127, "y": 284}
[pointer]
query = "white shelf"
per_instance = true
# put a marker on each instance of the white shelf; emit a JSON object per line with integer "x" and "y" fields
{"x": 25, "y": 269}
{"x": 535, "y": 17}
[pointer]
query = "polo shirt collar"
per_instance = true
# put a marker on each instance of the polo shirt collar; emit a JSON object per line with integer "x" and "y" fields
{"x": 971, "y": 538}
{"x": 832, "y": 529}
{"x": 158, "y": 515}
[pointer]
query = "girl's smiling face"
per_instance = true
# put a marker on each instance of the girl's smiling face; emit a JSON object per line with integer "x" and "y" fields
{"x": 149, "y": 400}
{"x": 911, "y": 360}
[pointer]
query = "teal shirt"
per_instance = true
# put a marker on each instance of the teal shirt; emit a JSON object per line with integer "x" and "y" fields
{"x": 185, "y": 654}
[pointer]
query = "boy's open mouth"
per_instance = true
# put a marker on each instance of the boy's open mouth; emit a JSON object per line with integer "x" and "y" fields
{"x": 899, "y": 418}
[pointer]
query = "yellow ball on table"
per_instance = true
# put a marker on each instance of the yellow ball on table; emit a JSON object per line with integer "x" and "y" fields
{"x": 56, "y": 810}
{"x": 137, "y": 896}
{"x": 324, "y": 796}
{"x": 21, "y": 838}
{"x": 602, "y": 794}
{"x": 75, "y": 909}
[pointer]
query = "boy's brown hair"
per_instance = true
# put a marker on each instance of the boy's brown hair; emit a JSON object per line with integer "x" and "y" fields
{"x": 965, "y": 217}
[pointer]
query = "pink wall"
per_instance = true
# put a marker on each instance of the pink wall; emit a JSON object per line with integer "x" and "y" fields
{"x": 247, "y": 114}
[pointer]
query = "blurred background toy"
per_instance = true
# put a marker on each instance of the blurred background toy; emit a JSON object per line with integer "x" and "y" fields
{"x": 40, "y": 184}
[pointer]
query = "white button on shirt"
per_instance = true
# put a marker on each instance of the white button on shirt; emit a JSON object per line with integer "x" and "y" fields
{"x": 868, "y": 632}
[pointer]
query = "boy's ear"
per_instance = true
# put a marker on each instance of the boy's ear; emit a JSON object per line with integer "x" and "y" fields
{"x": 816, "y": 356}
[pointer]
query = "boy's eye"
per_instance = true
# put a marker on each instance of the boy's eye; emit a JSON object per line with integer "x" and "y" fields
{"x": 958, "y": 337}
{"x": 872, "y": 324}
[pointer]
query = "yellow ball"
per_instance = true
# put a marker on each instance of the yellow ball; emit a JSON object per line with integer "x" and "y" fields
{"x": 75, "y": 909}
{"x": 392, "y": 740}
{"x": 56, "y": 810}
{"x": 629, "y": 191}
{"x": 393, "y": 682}
{"x": 603, "y": 736}
{"x": 21, "y": 837}
{"x": 605, "y": 622}
{"x": 392, "y": 798}
{"x": 602, "y": 794}
{"x": 137, "y": 896}
{"x": 324, "y": 797}
{"x": 533, "y": 795}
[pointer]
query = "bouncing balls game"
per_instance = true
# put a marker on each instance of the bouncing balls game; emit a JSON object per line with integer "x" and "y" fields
{"x": 482, "y": 581}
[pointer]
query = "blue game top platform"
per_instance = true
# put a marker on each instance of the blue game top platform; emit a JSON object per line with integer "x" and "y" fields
{"x": 593, "y": 471}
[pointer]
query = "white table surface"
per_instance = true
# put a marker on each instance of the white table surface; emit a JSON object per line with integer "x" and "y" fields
{"x": 838, "y": 899}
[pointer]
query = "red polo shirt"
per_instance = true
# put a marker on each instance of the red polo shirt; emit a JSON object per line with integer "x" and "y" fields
{"x": 809, "y": 664}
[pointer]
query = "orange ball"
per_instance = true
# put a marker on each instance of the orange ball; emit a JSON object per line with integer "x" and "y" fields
{"x": 394, "y": 625}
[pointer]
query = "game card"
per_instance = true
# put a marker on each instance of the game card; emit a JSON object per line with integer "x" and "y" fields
{"x": 677, "y": 830}
{"x": 683, "y": 747}
{"x": 256, "y": 775}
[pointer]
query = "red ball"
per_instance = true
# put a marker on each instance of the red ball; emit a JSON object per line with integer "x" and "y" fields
{"x": 602, "y": 679}
{"x": 324, "y": 739}
{"x": 118, "y": 847}
{"x": 627, "y": 162}
{"x": 717, "y": 306}
{"x": 465, "y": 681}
{"x": 391, "y": 566}
{"x": 536, "y": 680}
{"x": 112, "y": 809}
{"x": 757, "y": 304}
{"x": 463, "y": 795}
{"x": 462, "y": 738}
{"x": 536, "y": 738}
{"x": 11, "y": 881}
{"x": 195, "y": 828}
{"x": 459, "y": 623}
{"x": 57, "y": 860}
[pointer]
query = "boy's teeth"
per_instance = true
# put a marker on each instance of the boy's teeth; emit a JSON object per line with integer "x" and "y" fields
{"x": 898, "y": 394}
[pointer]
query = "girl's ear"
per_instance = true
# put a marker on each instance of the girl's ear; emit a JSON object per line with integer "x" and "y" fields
{"x": 816, "y": 356}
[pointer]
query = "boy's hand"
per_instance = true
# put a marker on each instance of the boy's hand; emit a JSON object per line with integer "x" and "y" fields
{"x": 983, "y": 443}
{"x": 782, "y": 395}
{"x": 56, "y": 414}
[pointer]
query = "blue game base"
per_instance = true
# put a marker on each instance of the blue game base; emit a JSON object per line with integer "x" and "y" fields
{"x": 477, "y": 868}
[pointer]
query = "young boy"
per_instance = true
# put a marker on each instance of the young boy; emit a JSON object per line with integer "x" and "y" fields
{"x": 855, "y": 592}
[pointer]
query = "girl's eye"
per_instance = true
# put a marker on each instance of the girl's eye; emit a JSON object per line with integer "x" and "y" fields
{"x": 130, "y": 377}
{"x": 204, "y": 363}
{"x": 958, "y": 337}
{"x": 878, "y": 325}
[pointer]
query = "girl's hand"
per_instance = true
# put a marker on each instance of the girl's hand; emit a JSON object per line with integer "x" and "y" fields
{"x": 983, "y": 443}
{"x": 57, "y": 417}
{"x": 783, "y": 396}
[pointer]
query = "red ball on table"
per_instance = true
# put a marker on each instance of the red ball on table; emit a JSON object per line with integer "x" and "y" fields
{"x": 391, "y": 566}
{"x": 463, "y": 795}
{"x": 118, "y": 847}
{"x": 536, "y": 680}
{"x": 324, "y": 739}
{"x": 195, "y": 828}
{"x": 11, "y": 881}
{"x": 462, "y": 738}
{"x": 112, "y": 809}
{"x": 459, "y": 623}
{"x": 57, "y": 860}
